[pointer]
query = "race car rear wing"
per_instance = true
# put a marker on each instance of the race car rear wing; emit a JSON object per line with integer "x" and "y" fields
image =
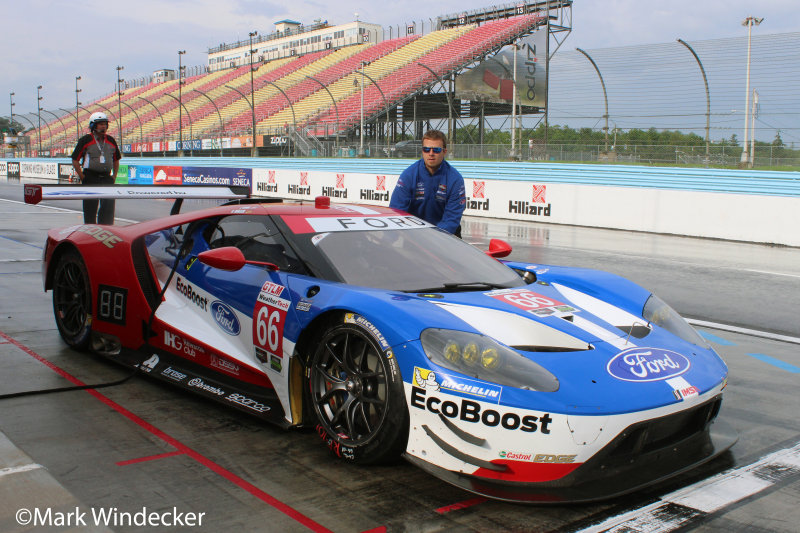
{"x": 35, "y": 193}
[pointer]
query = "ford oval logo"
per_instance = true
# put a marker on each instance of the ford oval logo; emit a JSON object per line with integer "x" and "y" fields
{"x": 647, "y": 364}
{"x": 225, "y": 317}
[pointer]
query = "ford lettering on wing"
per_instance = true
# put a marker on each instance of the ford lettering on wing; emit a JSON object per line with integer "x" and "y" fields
{"x": 226, "y": 318}
{"x": 647, "y": 364}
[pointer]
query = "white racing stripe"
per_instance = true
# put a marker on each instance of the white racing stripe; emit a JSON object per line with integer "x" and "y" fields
{"x": 744, "y": 331}
{"x": 680, "y": 508}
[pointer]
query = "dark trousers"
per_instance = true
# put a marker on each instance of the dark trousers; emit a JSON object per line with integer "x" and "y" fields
{"x": 91, "y": 214}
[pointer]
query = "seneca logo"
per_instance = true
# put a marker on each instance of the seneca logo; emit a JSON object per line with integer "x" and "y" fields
{"x": 647, "y": 364}
{"x": 225, "y": 317}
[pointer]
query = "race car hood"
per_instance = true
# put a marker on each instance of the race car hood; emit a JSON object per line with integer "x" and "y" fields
{"x": 607, "y": 359}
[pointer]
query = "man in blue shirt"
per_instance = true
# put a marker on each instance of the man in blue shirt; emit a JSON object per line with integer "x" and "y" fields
{"x": 431, "y": 188}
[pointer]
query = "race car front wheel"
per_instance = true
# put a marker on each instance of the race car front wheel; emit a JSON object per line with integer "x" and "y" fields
{"x": 357, "y": 394}
{"x": 72, "y": 300}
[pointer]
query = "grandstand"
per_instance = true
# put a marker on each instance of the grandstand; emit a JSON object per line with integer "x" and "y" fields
{"x": 307, "y": 97}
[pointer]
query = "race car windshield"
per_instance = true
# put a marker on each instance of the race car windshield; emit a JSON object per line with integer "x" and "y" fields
{"x": 414, "y": 260}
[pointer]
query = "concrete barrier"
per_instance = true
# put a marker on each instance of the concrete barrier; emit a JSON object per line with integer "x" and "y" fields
{"x": 750, "y": 206}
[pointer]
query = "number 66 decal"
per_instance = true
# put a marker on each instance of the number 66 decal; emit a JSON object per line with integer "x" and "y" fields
{"x": 269, "y": 316}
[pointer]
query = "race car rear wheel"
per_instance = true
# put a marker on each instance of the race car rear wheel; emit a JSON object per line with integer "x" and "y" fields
{"x": 72, "y": 300}
{"x": 357, "y": 395}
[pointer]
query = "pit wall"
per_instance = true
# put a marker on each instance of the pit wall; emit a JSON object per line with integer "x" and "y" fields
{"x": 756, "y": 207}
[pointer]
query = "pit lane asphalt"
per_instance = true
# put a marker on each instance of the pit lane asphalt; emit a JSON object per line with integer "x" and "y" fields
{"x": 146, "y": 445}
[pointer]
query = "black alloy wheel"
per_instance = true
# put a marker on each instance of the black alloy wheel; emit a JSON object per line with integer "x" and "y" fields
{"x": 357, "y": 396}
{"x": 72, "y": 300}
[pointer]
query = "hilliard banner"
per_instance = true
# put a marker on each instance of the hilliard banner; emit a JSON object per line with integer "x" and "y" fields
{"x": 493, "y": 79}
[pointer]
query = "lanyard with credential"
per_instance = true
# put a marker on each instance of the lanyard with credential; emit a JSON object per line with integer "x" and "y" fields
{"x": 101, "y": 148}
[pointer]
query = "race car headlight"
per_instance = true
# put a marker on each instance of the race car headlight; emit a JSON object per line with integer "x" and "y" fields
{"x": 484, "y": 358}
{"x": 657, "y": 312}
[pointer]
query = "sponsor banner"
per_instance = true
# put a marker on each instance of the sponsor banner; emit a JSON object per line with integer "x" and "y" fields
{"x": 167, "y": 175}
{"x": 518, "y": 200}
{"x": 207, "y": 144}
{"x": 348, "y": 187}
{"x": 242, "y": 141}
{"x": 140, "y": 174}
{"x": 3, "y": 170}
{"x": 493, "y": 79}
{"x": 141, "y": 147}
{"x": 122, "y": 175}
{"x": 35, "y": 169}
{"x": 66, "y": 171}
{"x": 276, "y": 140}
{"x": 217, "y": 176}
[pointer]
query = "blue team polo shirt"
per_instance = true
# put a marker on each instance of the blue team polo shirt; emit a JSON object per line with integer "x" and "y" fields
{"x": 438, "y": 198}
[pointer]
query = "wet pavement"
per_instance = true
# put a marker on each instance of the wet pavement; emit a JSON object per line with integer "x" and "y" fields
{"x": 141, "y": 447}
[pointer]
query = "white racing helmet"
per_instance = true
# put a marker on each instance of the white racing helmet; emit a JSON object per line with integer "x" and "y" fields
{"x": 95, "y": 118}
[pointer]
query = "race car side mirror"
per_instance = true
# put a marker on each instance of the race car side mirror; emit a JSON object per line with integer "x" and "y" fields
{"x": 498, "y": 248}
{"x": 228, "y": 258}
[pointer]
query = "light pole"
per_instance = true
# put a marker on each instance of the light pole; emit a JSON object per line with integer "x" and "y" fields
{"x": 163, "y": 126}
{"x": 749, "y": 22}
{"x": 253, "y": 151}
{"x": 708, "y": 99}
{"x": 514, "y": 105}
{"x": 11, "y": 100}
{"x": 605, "y": 94}
{"x": 753, "y": 129}
{"x": 77, "y": 106}
{"x": 62, "y": 127}
{"x": 119, "y": 103}
{"x": 39, "y": 114}
{"x": 361, "y": 129}
{"x": 180, "y": 106}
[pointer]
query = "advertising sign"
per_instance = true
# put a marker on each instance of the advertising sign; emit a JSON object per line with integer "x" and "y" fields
{"x": 300, "y": 184}
{"x": 493, "y": 79}
{"x": 122, "y": 175}
{"x": 217, "y": 176}
{"x": 13, "y": 169}
{"x": 140, "y": 174}
{"x": 167, "y": 175}
{"x": 66, "y": 172}
{"x": 37, "y": 169}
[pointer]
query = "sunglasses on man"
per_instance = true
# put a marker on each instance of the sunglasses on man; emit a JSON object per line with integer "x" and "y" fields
{"x": 436, "y": 149}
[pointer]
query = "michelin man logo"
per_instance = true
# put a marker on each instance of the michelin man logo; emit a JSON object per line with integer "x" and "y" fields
{"x": 425, "y": 379}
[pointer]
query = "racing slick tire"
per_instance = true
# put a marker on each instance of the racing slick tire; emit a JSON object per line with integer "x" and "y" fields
{"x": 356, "y": 393}
{"x": 72, "y": 300}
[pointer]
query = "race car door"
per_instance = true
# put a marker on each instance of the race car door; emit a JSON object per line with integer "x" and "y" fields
{"x": 246, "y": 315}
